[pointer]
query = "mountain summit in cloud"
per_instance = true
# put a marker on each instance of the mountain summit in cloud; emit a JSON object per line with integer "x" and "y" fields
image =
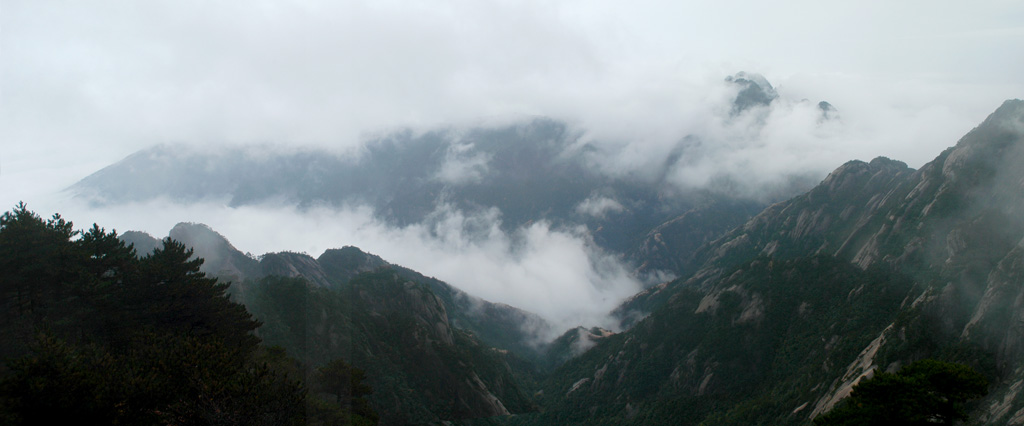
{"x": 876, "y": 267}
{"x": 527, "y": 172}
{"x": 755, "y": 90}
{"x": 546, "y": 207}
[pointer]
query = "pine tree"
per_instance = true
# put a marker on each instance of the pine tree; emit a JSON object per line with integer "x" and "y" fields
{"x": 95, "y": 335}
{"x": 926, "y": 392}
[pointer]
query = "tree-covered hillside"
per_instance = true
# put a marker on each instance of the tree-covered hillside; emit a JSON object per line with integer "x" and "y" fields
{"x": 93, "y": 334}
{"x": 422, "y": 369}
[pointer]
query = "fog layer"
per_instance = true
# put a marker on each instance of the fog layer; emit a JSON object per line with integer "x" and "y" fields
{"x": 557, "y": 273}
{"x": 86, "y": 84}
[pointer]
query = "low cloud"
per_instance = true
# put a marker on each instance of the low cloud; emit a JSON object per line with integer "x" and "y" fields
{"x": 463, "y": 165}
{"x": 95, "y": 82}
{"x": 85, "y": 85}
{"x": 557, "y": 273}
{"x": 598, "y": 206}
{"x": 749, "y": 153}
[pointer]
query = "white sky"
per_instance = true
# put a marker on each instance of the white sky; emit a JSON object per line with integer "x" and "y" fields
{"x": 84, "y": 84}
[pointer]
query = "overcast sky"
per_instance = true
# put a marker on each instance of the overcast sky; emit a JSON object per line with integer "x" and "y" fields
{"x": 84, "y": 84}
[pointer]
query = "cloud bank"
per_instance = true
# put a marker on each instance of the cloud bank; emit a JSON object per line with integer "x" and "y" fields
{"x": 84, "y": 85}
{"x": 94, "y": 82}
{"x": 557, "y": 273}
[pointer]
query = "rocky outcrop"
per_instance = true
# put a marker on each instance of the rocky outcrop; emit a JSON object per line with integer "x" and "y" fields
{"x": 288, "y": 264}
{"x": 142, "y": 242}
{"x": 671, "y": 246}
{"x": 754, "y": 91}
{"x": 409, "y": 334}
{"x": 409, "y": 300}
{"x": 779, "y": 332}
{"x": 942, "y": 265}
{"x": 344, "y": 263}
{"x": 221, "y": 259}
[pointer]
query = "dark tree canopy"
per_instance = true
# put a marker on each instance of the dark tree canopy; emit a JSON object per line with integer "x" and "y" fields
{"x": 345, "y": 404}
{"x": 926, "y": 392}
{"x": 93, "y": 334}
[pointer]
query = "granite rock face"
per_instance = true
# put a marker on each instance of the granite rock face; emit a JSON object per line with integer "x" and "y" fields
{"x": 893, "y": 264}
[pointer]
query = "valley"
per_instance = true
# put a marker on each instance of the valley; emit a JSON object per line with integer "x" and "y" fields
{"x": 774, "y": 314}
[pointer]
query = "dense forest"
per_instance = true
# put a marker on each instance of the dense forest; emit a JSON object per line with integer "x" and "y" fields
{"x": 94, "y": 334}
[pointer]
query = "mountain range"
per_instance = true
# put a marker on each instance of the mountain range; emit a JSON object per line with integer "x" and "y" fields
{"x": 877, "y": 266}
{"x": 536, "y": 170}
{"x": 398, "y": 325}
{"x": 777, "y": 310}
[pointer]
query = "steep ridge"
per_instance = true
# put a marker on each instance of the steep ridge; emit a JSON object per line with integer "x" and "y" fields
{"x": 221, "y": 259}
{"x": 892, "y": 264}
{"x": 883, "y": 211}
{"x": 422, "y": 369}
{"x": 345, "y": 263}
{"x": 427, "y": 347}
{"x": 497, "y": 324}
{"x": 749, "y": 351}
{"x": 287, "y": 264}
{"x": 574, "y": 343}
{"x": 672, "y": 246}
{"x": 142, "y": 242}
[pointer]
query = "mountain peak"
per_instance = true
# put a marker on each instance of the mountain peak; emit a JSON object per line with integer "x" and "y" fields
{"x": 886, "y": 162}
{"x": 220, "y": 257}
{"x": 1009, "y": 108}
{"x": 143, "y": 243}
{"x": 349, "y": 261}
{"x": 755, "y": 90}
{"x": 1003, "y": 125}
{"x": 828, "y": 111}
{"x": 864, "y": 176}
{"x": 994, "y": 147}
{"x": 198, "y": 234}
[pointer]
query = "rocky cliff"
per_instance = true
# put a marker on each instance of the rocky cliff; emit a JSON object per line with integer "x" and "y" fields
{"x": 892, "y": 264}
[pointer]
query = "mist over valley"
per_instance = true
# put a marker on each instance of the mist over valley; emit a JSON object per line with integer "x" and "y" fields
{"x": 511, "y": 213}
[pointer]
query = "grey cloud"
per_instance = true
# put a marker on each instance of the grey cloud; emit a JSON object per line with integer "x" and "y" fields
{"x": 598, "y": 206}
{"x": 86, "y": 84}
{"x": 123, "y": 74}
{"x": 558, "y": 273}
{"x": 463, "y": 165}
